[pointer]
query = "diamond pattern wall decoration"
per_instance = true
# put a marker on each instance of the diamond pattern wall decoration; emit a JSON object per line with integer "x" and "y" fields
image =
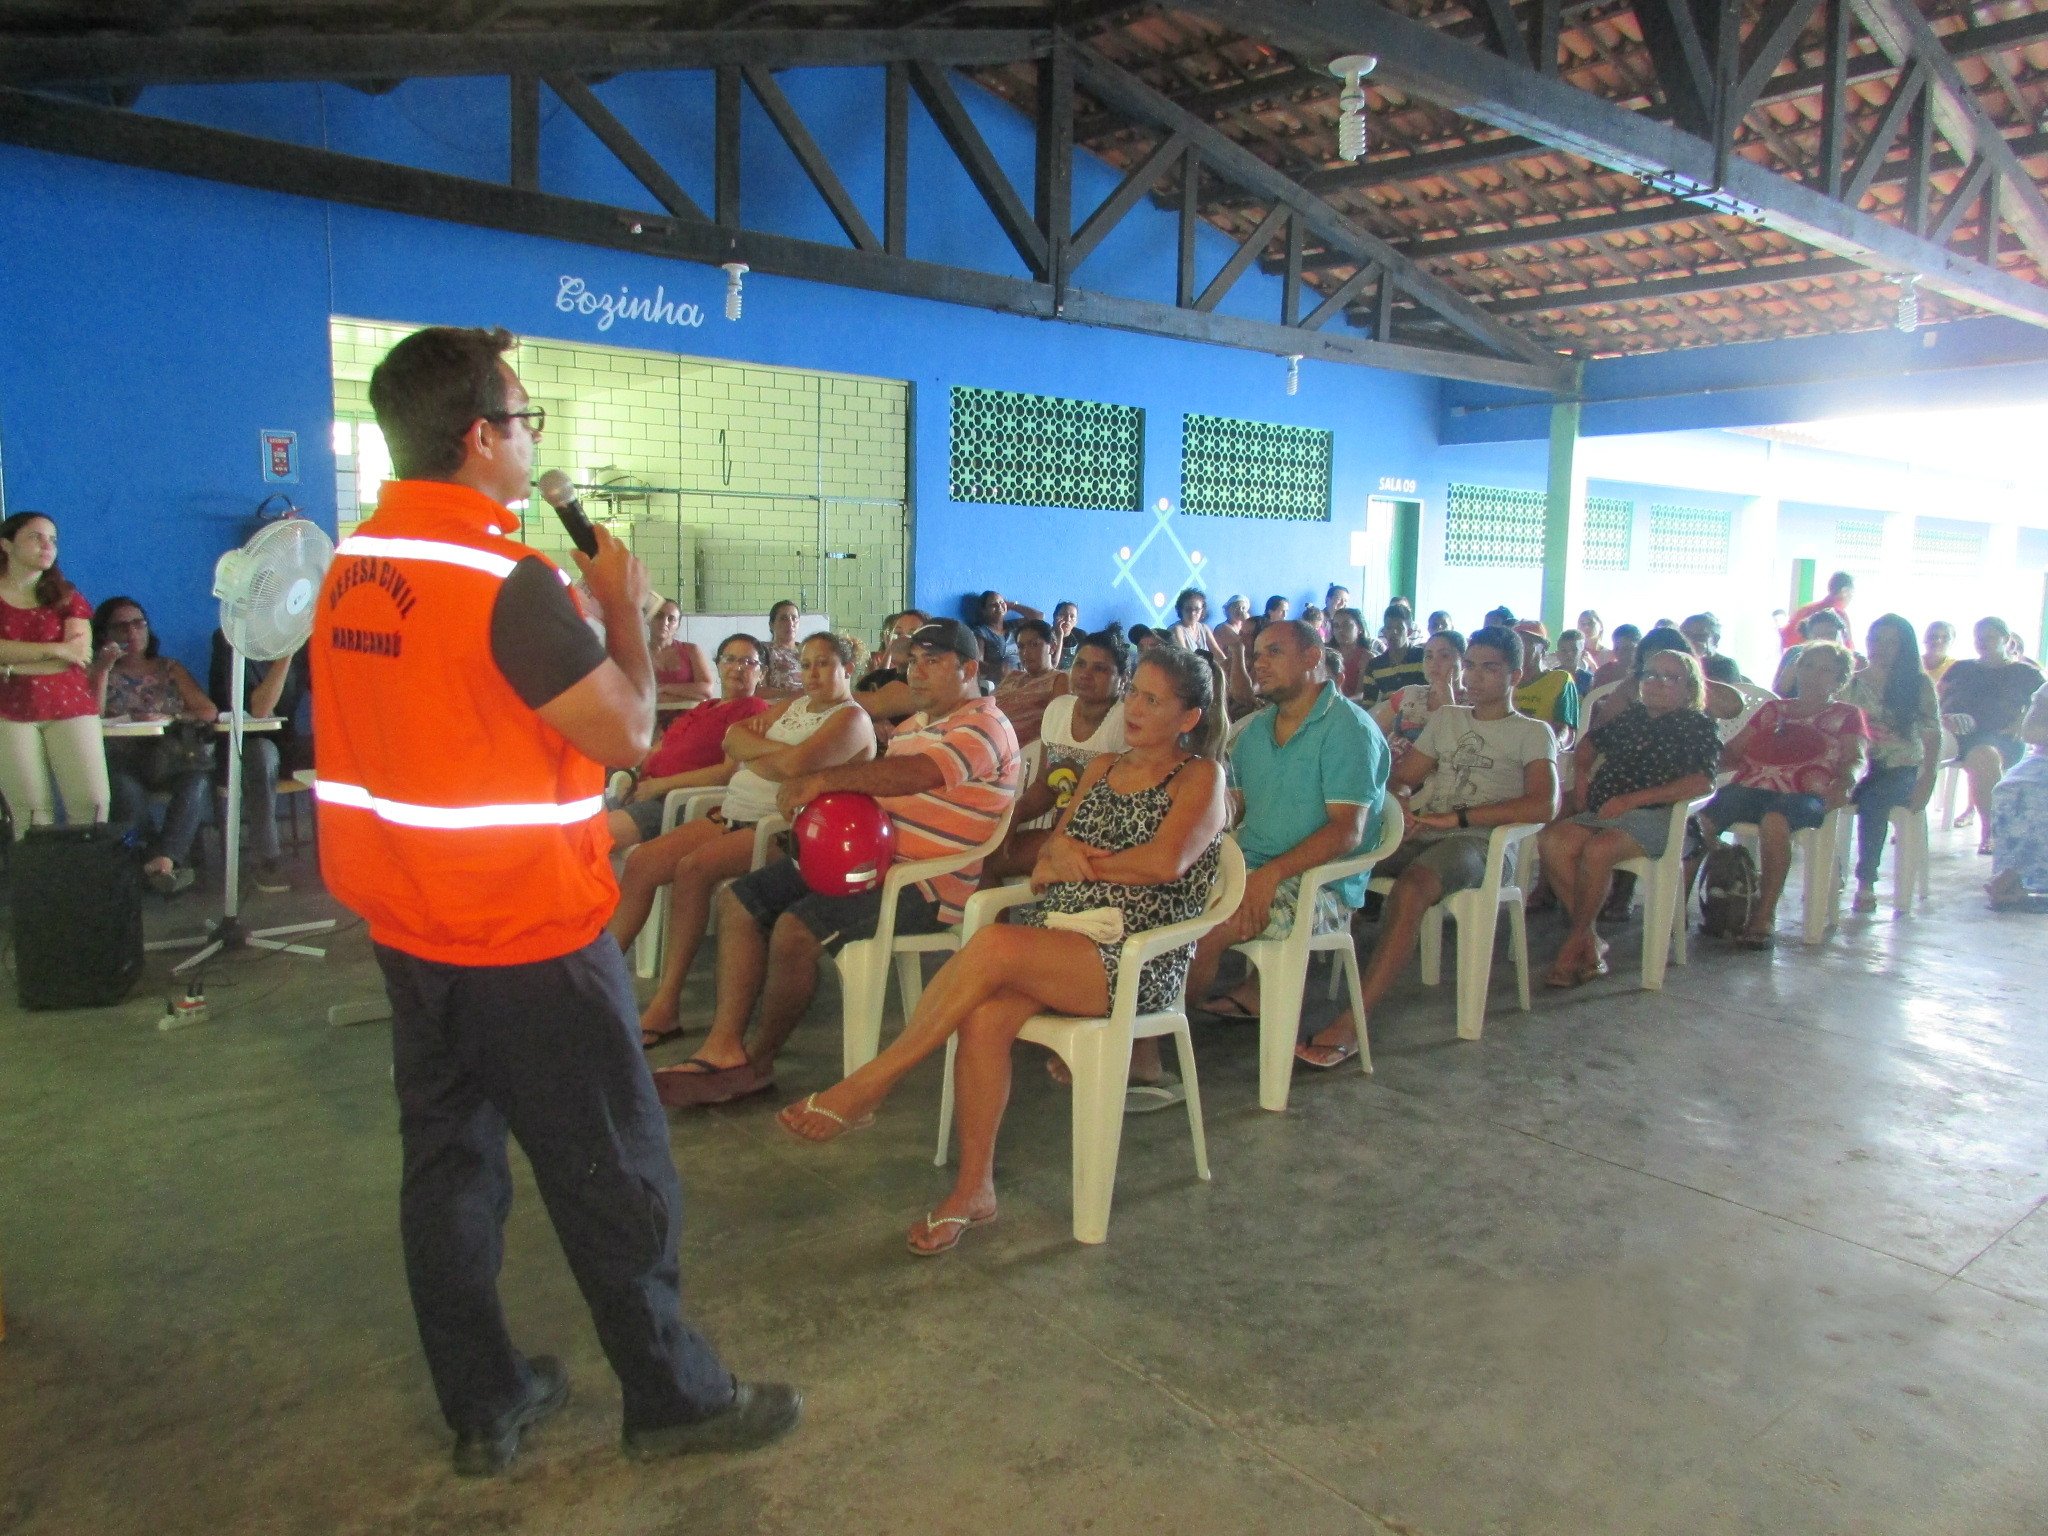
{"x": 1937, "y": 553}
{"x": 1610, "y": 523}
{"x": 1233, "y": 468}
{"x": 1690, "y": 541}
{"x": 1859, "y": 546}
{"x": 1019, "y": 450}
{"x": 1492, "y": 525}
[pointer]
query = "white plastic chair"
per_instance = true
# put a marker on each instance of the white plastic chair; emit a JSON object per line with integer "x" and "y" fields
{"x": 677, "y": 807}
{"x": 1477, "y": 914}
{"x": 1597, "y": 696}
{"x": 1910, "y": 859}
{"x": 1031, "y": 763}
{"x": 1098, "y": 1051}
{"x": 1282, "y": 965}
{"x": 1661, "y": 881}
{"x": 1820, "y": 852}
{"x": 1753, "y": 699}
{"x": 864, "y": 963}
{"x": 1951, "y": 778}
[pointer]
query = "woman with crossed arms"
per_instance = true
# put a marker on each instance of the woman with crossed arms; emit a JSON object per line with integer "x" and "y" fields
{"x": 819, "y": 728}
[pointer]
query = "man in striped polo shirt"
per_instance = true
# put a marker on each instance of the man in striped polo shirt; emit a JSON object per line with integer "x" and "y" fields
{"x": 949, "y": 774}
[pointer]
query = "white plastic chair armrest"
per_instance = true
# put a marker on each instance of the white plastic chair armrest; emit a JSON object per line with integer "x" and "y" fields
{"x": 1393, "y": 826}
{"x": 1154, "y": 942}
{"x": 764, "y": 837}
{"x": 983, "y": 906}
{"x": 681, "y": 805}
{"x": 902, "y": 875}
{"x": 1510, "y": 833}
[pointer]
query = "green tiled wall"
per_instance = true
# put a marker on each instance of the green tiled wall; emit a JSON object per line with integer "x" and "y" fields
{"x": 757, "y": 469}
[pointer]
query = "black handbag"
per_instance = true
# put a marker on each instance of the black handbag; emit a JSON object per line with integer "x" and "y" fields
{"x": 186, "y": 746}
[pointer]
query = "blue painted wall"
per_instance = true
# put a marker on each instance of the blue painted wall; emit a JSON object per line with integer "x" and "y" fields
{"x": 156, "y": 325}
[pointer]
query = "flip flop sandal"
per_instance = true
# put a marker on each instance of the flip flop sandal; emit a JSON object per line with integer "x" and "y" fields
{"x": 1144, "y": 1098}
{"x": 1756, "y": 940}
{"x": 1559, "y": 977}
{"x": 682, "y": 1088}
{"x": 957, "y": 1225}
{"x": 809, "y": 1105}
{"x": 1344, "y": 1054}
{"x": 1230, "y": 1010}
{"x": 650, "y": 1038}
{"x": 1598, "y": 968}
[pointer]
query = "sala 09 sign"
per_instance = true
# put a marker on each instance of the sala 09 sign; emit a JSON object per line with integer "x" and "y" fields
{"x": 1397, "y": 485}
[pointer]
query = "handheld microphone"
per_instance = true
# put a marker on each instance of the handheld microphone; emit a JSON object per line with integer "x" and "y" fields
{"x": 559, "y": 491}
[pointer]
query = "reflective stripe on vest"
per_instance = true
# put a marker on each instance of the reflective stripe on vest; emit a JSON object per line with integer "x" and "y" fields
{"x": 457, "y": 817}
{"x": 427, "y": 549}
{"x": 433, "y": 549}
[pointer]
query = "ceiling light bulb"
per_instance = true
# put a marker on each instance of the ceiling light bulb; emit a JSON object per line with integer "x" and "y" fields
{"x": 1909, "y": 303}
{"x": 1351, "y": 104}
{"x": 1294, "y": 373}
{"x": 734, "y": 271}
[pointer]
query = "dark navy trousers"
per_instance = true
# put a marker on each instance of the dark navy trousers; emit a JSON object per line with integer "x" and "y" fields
{"x": 551, "y": 1052}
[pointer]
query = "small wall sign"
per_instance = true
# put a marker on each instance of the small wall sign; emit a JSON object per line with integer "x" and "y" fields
{"x": 1397, "y": 485}
{"x": 280, "y": 457}
{"x": 574, "y": 296}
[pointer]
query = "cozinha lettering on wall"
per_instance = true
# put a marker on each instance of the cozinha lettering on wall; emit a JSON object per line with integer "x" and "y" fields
{"x": 575, "y": 297}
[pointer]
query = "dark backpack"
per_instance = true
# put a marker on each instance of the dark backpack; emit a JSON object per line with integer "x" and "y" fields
{"x": 1728, "y": 890}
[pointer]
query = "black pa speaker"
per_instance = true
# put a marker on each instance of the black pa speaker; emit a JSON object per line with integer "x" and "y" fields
{"x": 77, "y": 916}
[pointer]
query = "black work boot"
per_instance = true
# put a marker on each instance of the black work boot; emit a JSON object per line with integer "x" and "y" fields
{"x": 761, "y": 1412}
{"x": 487, "y": 1452}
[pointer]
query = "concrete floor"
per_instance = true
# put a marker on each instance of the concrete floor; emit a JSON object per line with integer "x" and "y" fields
{"x": 1763, "y": 1253}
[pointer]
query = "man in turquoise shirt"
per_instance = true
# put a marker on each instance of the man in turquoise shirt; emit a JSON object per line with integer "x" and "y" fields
{"x": 1310, "y": 771}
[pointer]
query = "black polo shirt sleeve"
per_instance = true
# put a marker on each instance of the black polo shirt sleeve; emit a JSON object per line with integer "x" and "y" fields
{"x": 540, "y": 642}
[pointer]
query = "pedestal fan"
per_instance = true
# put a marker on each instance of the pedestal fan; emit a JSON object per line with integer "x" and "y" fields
{"x": 266, "y": 590}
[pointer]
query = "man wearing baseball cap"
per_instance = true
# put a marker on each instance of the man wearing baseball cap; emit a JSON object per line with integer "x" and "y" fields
{"x": 949, "y": 774}
{"x": 1545, "y": 693}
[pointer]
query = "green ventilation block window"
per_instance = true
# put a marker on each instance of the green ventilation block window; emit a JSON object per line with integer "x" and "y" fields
{"x": 1946, "y": 554}
{"x": 1859, "y": 545}
{"x": 1491, "y": 525}
{"x": 1690, "y": 541}
{"x": 1017, "y": 450}
{"x": 1610, "y": 520}
{"x": 1231, "y": 468}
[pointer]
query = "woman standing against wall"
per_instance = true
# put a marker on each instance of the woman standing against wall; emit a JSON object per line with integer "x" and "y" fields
{"x": 782, "y": 674}
{"x": 682, "y": 676}
{"x": 49, "y": 717}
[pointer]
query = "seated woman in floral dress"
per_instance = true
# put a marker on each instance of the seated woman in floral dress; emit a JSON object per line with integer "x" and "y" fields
{"x": 1657, "y": 752}
{"x": 1141, "y": 836}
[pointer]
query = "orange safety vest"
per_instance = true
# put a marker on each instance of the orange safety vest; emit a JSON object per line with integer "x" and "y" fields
{"x": 460, "y": 824}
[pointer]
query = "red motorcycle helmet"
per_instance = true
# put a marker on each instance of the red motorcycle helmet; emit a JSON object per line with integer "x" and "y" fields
{"x": 845, "y": 843}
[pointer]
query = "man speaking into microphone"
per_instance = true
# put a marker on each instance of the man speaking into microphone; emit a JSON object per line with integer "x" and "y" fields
{"x": 464, "y": 713}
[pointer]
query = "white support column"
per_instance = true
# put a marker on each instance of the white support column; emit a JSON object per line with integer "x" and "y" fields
{"x": 1748, "y": 635}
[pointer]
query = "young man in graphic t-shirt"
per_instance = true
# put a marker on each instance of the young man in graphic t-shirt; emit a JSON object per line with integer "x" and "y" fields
{"x": 1476, "y": 766}
{"x": 948, "y": 775}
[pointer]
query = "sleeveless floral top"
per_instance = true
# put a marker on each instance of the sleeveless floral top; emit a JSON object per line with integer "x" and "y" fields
{"x": 1116, "y": 823}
